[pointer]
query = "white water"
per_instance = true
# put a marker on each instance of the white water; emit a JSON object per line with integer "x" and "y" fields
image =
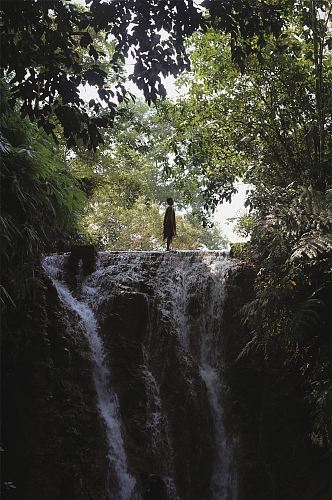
{"x": 158, "y": 426}
{"x": 223, "y": 481}
{"x": 177, "y": 279}
{"x": 107, "y": 401}
{"x": 204, "y": 278}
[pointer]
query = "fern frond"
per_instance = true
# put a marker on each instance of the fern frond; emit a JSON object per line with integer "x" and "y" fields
{"x": 252, "y": 345}
{"x": 307, "y": 317}
{"x": 311, "y": 245}
{"x": 4, "y": 295}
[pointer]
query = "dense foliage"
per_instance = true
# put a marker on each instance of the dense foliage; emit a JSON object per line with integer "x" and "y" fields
{"x": 40, "y": 202}
{"x": 271, "y": 127}
{"x": 127, "y": 185}
{"x": 41, "y": 42}
{"x": 290, "y": 316}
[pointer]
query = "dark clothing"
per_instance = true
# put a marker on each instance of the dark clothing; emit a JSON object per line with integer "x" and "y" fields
{"x": 169, "y": 223}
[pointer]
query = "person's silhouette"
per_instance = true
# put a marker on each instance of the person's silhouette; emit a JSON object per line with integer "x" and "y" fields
{"x": 169, "y": 222}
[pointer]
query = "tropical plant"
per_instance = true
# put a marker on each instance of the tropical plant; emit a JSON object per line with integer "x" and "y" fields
{"x": 290, "y": 313}
{"x": 128, "y": 187}
{"x": 262, "y": 126}
{"x": 40, "y": 45}
{"x": 40, "y": 202}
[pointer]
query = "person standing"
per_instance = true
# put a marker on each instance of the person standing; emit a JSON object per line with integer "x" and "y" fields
{"x": 169, "y": 223}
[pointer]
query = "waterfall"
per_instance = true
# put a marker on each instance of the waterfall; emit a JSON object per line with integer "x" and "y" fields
{"x": 175, "y": 365}
{"x": 205, "y": 277}
{"x": 224, "y": 481}
{"x": 158, "y": 425}
{"x": 107, "y": 400}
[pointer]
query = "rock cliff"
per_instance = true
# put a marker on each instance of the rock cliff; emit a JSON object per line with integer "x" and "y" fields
{"x": 124, "y": 383}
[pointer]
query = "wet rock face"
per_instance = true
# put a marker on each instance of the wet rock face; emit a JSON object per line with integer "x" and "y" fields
{"x": 85, "y": 254}
{"x": 169, "y": 429}
{"x": 197, "y": 423}
{"x": 159, "y": 317}
{"x": 123, "y": 329}
{"x": 266, "y": 406}
{"x": 128, "y": 328}
{"x": 185, "y": 403}
{"x": 52, "y": 434}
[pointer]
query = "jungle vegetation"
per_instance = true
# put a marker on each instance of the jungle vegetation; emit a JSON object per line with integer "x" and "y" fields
{"x": 271, "y": 126}
{"x": 256, "y": 105}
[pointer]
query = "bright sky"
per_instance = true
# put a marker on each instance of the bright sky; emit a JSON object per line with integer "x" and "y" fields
{"x": 227, "y": 211}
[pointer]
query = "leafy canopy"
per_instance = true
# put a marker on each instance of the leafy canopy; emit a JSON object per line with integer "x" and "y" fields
{"x": 269, "y": 126}
{"x": 41, "y": 51}
{"x": 127, "y": 188}
{"x": 40, "y": 202}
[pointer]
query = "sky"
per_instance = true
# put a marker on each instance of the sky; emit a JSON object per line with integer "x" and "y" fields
{"x": 236, "y": 208}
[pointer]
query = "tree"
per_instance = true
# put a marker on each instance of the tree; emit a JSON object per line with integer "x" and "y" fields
{"x": 271, "y": 126}
{"x": 41, "y": 40}
{"x": 40, "y": 203}
{"x": 263, "y": 125}
{"x": 127, "y": 187}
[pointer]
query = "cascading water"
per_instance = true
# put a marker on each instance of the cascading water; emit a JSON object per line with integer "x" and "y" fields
{"x": 107, "y": 400}
{"x": 224, "y": 481}
{"x": 205, "y": 278}
{"x": 158, "y": 424}
{"x": 179, "y": 365}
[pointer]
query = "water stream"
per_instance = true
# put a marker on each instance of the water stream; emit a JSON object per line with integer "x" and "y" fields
{"x": 185, "y": 291}
{"x": 107, "y": 401}
{"x": 224, "y": 480}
